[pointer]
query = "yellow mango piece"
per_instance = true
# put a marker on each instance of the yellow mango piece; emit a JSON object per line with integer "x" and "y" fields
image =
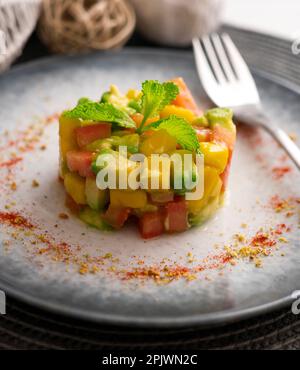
{"x": 67, "y": 138}
{"x": 128, "y": 198}
{"x": 133, "y": 94}
{"x": 206, "y": 212}
{"x": 215, "y": 155}
{"x": 178, "y": 111}
{"x": 158, "y": 143}
{"x": 212, "y": 188}
{"x": 75, "y": 187}
{"x": 156, "y": 174}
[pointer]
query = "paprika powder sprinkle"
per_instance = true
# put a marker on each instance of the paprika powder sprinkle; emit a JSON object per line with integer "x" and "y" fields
{"x": 15, "y": 219}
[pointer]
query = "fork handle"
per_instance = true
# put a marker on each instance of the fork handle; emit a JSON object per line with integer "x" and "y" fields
{"x": 255, "y": 117}
{"x": 286, "y": 142}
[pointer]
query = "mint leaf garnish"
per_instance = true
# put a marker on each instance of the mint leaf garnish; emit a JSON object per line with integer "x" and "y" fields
{"x": 155, "y": 97}
{"x": 180, "y": 129}
{"x": 105, "y": 112}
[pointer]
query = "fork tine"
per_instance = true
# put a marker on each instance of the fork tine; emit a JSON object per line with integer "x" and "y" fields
{"x": 223, "y": 58}
{"x": 213, "y": 59}
{"x": 203, "y": 67}
{"x": 240, "y": 67}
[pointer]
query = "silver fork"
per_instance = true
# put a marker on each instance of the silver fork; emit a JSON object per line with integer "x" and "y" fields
{"x": 228, "y": 82}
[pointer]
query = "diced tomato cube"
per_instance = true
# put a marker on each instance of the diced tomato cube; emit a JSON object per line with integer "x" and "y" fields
{"x": 72, "y": 205}
{"x": 87, "y": 134}
{"x": 80, "y": 162}
{"x": 162, "y": 197}
{"x": 225, "y": 175}
{"x": 116, "y": 216}
{"x": 223, "y": 135}
{"x": 185, "y": 98}
{"x": 151, "y": 224}
{"x": 176, "y": 216}
{"x": 203, "y": 134}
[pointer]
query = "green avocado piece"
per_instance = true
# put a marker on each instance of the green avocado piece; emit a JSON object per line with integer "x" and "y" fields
{"x": 220, "y": 116}
{"x": 208, "y": 210}
{"x": 101, "y": 144}
{"x": 132, "y": 142}
{"x": 136, "y": 105}
{"x": 186, "y": 175}
{"x": 94, "y": 219}
{"x": 106, "y": 158}
{"x": 201, "y": 121}
{"x": 114, "y": 97}
{"x": 96, "y": 198}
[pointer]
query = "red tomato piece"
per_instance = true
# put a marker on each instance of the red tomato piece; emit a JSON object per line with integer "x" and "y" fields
{"x": 185, "y": 98}
{"x": 80, "y": 162}
{"x": 176, "y": 219}
{"x": 203, "y": 134}
{"x": 162, "y": 197}
{"x": 225, "y": 175}
{"x": 87, "y": 134}
{"x": 223, "y": 135}
{"x": 151, "y": 224}
{"x": 116, "y": 216}
{"x": 72, "y": 205}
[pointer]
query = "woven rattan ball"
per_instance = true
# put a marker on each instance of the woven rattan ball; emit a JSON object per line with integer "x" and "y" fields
{"x": 70, "y": 26}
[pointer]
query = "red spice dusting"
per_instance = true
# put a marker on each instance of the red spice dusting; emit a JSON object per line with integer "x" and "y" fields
{"x": 288, "y": 205}
{"x": 281, "y": 228}
{"x": 280, "y": 172}
{"x": 52, "y": 118}
{"x": 166, "y": 274}
{"x": 262, "y": 240}
{"x": 11, "y": 162}
{"x": 23, "y": 141}
{"x": 15, "y": 219}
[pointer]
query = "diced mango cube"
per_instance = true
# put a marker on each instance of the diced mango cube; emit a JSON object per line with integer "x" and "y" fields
{"x": 158, "y": 143}
{"x": 67, "y": 140}
{"x": 215, "y": 155}
{"x": 133, "y": 94}
{"x": 128, "y": 198}
{"x": 67, "y": 134}
{"x": 75, "y": 187}
{"x": 178, "y": 111}
{"x": 212, "y": 188}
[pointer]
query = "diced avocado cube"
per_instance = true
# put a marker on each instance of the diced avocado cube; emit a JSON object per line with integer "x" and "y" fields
{"x": 113, "y": 96}
{"x": 132, "y": 143}
{"x": 201, "y": 121}
{"x": 185, "y": 175}
{"x": 221, "y": 116}
{"x": 207, "y": 212}
{"x": 93, "y": 218}
{"x": 95, "y": 198}
{"x": 136, "y": 105}
{"x": 100, "y": 144}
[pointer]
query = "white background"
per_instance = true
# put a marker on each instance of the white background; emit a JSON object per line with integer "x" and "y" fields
{"x": 278, "y": 17}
